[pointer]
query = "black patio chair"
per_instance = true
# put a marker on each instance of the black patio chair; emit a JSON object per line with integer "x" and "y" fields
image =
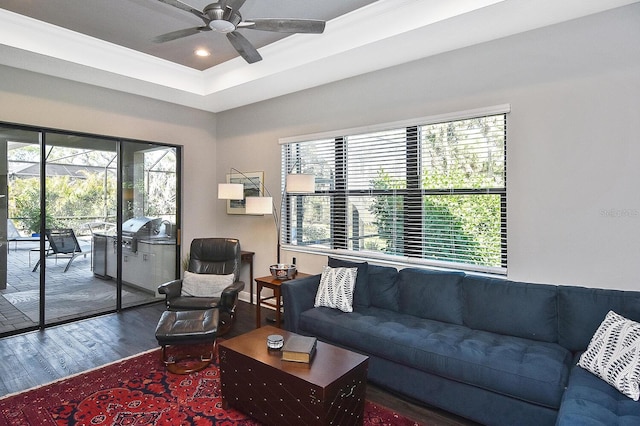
{"x": 62, "y": 242}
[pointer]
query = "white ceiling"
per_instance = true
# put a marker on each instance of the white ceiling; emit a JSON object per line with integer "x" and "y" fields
{"x": 109, "y": 43}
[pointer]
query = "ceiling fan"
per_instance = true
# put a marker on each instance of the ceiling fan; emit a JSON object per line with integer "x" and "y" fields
{"x": 224, "y": 16}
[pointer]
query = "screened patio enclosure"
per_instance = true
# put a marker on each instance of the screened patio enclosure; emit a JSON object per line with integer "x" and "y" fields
{"x": 67, "y": 200}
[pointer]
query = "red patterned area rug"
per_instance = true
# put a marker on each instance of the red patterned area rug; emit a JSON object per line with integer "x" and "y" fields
{"x": 139, "y": 391}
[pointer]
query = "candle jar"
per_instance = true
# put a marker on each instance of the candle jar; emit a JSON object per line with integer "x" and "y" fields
{"x": 275, "y": 341}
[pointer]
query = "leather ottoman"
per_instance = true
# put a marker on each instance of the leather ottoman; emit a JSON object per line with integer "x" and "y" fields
{"x": 187, "y": 328}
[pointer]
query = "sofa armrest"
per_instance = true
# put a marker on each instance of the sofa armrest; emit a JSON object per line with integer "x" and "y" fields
{"x": 171, "y": 289}
{"x": 298, "y": 296}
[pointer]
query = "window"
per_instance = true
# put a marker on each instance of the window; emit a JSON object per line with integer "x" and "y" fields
{"x": 432, "y": 191}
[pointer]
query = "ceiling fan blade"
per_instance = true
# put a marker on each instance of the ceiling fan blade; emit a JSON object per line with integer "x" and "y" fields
{"x": 244, "y": 47}
{"x": 186, "y": 7}
{"x": 309, "y": 26}
{"x": 174, "y": 35}
{"x": 235, "y": 4}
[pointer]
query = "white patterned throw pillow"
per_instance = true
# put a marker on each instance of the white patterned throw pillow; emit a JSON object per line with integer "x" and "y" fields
{"x": 614, "y": 354}
{"x": 204, "y": 285}
{"x": 336, "y": 288}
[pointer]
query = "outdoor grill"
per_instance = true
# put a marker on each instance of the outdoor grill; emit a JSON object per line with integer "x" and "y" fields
{"x": 138, "y": 228}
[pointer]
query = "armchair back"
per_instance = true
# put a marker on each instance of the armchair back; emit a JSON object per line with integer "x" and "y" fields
{"x": 220, "y": 256}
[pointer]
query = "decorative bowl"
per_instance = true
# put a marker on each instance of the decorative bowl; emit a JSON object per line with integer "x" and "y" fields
{"x": 283, "y": 271}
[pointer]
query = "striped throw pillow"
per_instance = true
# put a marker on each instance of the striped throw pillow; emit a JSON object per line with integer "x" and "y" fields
{"x": 614, "y": 354}
{"x": 336, "y": 288}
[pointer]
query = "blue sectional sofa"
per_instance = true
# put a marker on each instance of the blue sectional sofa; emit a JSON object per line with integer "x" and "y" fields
{"x": 491, "y": 350}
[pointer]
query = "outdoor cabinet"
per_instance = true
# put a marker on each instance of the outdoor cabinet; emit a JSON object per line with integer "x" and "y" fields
{"x": 99, "y": 255}
{"x": 149, "y": 266}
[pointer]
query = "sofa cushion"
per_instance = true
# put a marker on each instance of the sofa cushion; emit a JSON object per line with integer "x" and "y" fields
{"x": 361, "y": 290}
{"x": 614, "y": 354}
{"x": 526, "y": 369}
{"x": 511, "y": 308}
{"x": 433, "y": 295}
{"x": 592, "y": 402}
{"x": 383, "y": 287}
{"x": 581, "y": 310}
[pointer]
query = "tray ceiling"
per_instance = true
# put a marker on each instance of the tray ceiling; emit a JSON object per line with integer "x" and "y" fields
{"x": 110, "y": 43}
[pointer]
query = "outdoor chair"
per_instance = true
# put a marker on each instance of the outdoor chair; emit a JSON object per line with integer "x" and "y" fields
{"x": 13, "y": 235}
{"x": 63, "y": 243}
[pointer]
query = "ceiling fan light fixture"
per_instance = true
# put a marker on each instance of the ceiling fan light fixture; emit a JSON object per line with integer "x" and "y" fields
{"x": 222, "y": 26}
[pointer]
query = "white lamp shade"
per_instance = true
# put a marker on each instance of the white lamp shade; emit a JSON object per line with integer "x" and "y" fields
{"x": 259, "y": 205}
{"x": 230, "y": 191}
{"x": 301, "y": 184}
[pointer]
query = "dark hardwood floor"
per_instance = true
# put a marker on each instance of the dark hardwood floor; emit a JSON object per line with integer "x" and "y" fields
{"x": 40, "y": 357}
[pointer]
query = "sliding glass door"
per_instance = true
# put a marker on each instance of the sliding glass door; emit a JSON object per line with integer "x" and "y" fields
{"x": 20, "y": 202}
{"x": 80, "y": 194}
{"x": 149, "y": 217}
{"x": 91, "y": 225}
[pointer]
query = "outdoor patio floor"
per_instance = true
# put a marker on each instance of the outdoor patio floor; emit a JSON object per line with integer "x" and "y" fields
{"x": 72, "y": 294}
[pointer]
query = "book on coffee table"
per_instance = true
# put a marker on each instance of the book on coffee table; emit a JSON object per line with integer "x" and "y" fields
{"x": 299, "y": 349}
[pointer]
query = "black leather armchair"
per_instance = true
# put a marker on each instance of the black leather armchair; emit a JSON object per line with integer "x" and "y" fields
{"x": 220, "y": 256}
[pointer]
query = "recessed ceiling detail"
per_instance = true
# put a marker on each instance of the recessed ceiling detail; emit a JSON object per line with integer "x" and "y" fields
{"x": 111, "y": 43}
{"x": 202, "y": 53}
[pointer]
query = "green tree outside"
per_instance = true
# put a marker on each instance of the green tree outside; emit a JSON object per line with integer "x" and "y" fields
{"x": 456, "y": 227}
{"x": 70, "y": 201}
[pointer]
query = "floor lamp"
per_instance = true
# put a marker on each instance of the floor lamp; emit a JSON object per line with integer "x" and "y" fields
{"x": 296, "y": 184}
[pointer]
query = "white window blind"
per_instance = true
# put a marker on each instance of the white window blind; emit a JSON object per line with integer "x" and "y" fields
{"x": 432, "y": 192}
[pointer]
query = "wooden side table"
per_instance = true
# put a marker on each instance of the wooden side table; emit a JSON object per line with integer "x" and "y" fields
{"x": 247, "y": 257}
{"x": 274, "y": 284}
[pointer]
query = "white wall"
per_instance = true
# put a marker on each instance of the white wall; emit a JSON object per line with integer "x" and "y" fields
{"x": 35, "y": 99}
{"x": 573, "y": 149}
{"x": 574, "y": 89}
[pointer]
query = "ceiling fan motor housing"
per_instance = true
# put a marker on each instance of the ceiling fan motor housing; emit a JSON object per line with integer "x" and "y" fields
{"x": 223, "y": 19}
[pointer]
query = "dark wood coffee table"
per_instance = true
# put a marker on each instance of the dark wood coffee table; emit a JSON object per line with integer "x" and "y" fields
{"x": 330, "y": 390}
